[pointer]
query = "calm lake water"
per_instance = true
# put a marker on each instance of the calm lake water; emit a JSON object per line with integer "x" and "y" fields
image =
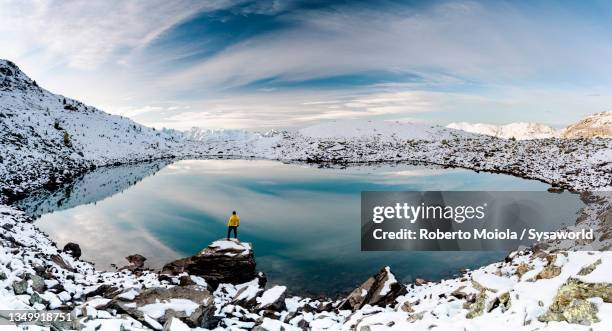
{"x": 304, "y": 222}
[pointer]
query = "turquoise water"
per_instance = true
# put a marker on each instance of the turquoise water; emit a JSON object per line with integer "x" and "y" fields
{"x": 304, "y": 222}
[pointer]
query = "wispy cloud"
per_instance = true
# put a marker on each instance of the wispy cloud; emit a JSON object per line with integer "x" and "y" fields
{"x": 85, "y": 34}
{"x": 466, "y": 40}
{"x": 284, "y": 64}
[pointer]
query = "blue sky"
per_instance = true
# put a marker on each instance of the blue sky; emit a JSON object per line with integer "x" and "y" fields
{"x": 278, "y": 64}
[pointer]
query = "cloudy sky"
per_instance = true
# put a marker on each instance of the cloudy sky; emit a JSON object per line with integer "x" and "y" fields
{"x": 265, "y": 64}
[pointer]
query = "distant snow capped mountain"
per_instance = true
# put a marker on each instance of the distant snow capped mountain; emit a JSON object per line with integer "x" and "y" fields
{"x": 385, "y": 130}
{"x": 202, "y": 134}
{"x": 221, "y": 135}
{"x": 596, "y": 125}
{"x": 519, "y": 130}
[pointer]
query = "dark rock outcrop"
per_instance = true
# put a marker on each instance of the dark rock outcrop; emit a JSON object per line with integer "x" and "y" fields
{"x": 223, "y": 261}
{"x": 379, "y": 290}
{"x": 73, "y": 249}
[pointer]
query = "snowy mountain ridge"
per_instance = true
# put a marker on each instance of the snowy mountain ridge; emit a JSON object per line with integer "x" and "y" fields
{"x": 595, "y": 125}
{"x": 519, "y": 130}
{"x": 63, "y": 136}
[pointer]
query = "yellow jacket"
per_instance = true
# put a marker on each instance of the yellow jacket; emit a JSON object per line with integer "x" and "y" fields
{"x": 234, "y": 220}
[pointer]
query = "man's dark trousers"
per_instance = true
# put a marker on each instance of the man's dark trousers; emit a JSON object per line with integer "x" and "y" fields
{"x": 229, "y": 230}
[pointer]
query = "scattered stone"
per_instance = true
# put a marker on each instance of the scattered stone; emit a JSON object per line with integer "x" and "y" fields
{"x": 522, "y": 269}
{"x": 588, "y": 269}
{"x": 477, "y": 307}
{"x": 185, "y": 280}
{"x": 407, "y": 307}
{"x": 581, "y": 312}
{"x": 59, "y": 261}
{"x": 420, "y": 282}
{"x": 197, "y": 294}
{"x": 273, "y": 299}
{"x": 502, "y": 301}
{"x": 73, "y": 249}
{"x": 380, "y": 290}
{"x": 136, "y": 260}
{"x": 570, "y": 302}
{"x": 549, "y": 271}
{"x": 175, "y": 324}
{"x": 20, "y": 287}
{"x": 35, "y": 299}
{"x": 38, "y": 283}
{"x": 356, "y": 298}
{"x": 458, "y": 293}
{"x": 247, "y": 295}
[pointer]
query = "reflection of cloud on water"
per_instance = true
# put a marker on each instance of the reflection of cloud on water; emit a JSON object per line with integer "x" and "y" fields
{"x": 300, "y": 219}
{"x": 105, "y": 239}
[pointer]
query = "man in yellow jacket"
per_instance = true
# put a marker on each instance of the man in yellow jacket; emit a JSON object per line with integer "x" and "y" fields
{"x": 232, "y": 224}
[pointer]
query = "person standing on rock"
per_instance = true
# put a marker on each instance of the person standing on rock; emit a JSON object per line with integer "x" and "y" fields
{"x": 232, "y": 224}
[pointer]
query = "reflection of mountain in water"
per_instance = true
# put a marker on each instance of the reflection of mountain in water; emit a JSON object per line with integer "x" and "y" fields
{"x": 90, "y": 188}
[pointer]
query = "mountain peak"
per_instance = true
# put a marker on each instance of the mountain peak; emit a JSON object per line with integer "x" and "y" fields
{"x": 12, "y": 78}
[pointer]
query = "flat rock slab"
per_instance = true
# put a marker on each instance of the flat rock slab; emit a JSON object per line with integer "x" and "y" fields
{"x": 223, "y": 261}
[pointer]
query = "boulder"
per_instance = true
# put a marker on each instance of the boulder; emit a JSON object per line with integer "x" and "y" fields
{"x": 420, "y": 281}
{"x": 136, "y": 260}
{"x": 38, "y": 283}
{"x": 570, "y": 303}
{"x": 247, "y": 295}
{"x": 381, "y": 290}
{"x": 223, "y": 261}
{"x": 273, "y": 299}
{"x": 73, "y": 249}
{"x": 136, "y": 263}
{"x": 60, "y": 262}
{"x": 20, "y": 287}
{"x": 197, "y": 294}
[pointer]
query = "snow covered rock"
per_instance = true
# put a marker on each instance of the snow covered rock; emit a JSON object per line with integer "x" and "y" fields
{"x": 192, "y": 304}
{"x": 381, "y": 290}
{"x": 273, "y": 299}
{"x": 175, "y": 324}
{"x": 223, "y": 261}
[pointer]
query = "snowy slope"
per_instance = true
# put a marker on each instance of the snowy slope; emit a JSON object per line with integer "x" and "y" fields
{"x": 47, "y": 138}
{"x": 519, "y": 130}
{"x": 596, "y": 125}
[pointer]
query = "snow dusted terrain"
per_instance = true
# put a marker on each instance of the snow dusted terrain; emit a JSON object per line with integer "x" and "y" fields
{"x": 48, "y": 140}
{"x": 595, "y": 125}
{"x": 521, "y": 130}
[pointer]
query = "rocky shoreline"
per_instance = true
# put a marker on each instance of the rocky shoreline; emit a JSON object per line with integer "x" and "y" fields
{"x": 203, "y": 291}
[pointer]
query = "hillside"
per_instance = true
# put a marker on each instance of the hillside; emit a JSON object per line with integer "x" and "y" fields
{"x": 62, "y": 137}
{"x": 596, "y": 125}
